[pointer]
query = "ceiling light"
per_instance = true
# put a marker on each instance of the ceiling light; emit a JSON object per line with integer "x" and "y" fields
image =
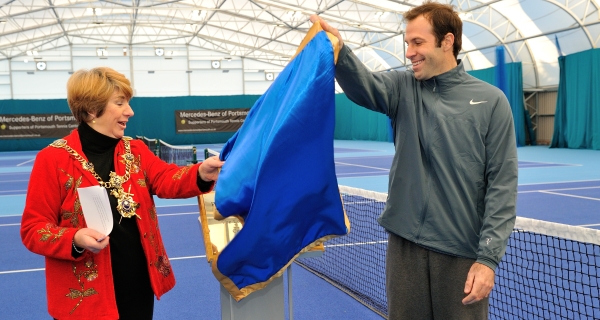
{"x": 198, "y": 14}
{"x": 93, "y": 11}
{"x": 25, "y": 60}
{"x": 40, "y": 65}
{"x": 215, "y": 64}
{"x": 101, "y": 52}
{"x": 465, "y": 15}
{"x": 35, "y": 53}
{"x": 159, "y": 52}
{"x": 269, "y": 76}
{"x": 29, "y": 53}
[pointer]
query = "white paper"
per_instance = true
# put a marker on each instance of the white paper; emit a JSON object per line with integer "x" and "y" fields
{"x": 96, "y": 209}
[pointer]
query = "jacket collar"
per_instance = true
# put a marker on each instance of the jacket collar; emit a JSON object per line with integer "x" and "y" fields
{"x": 448, "y": 79}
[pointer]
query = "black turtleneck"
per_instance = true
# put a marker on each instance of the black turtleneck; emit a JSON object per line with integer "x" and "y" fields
{"x": 135, "y": 299}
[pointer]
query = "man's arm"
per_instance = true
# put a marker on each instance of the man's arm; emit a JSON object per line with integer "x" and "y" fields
{"x": 377, "y": 91}
{"x": 500, "y": 202}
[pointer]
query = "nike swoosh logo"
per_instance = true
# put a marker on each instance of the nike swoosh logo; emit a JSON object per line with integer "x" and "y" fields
{"x": 478, "y": 102}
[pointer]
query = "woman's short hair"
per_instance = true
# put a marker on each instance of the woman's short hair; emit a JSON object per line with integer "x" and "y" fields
{"x": 443, "y": 19}
{"x": 88, "y": 91}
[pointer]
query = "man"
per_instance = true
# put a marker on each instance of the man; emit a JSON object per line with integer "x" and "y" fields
{"x": 453, "y": 180}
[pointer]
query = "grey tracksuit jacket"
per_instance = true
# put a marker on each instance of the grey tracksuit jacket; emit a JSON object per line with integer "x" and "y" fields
{"x": 453, "y": 180}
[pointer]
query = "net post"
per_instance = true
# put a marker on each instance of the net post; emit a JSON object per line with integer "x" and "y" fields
{"x": 206, "y": 153}
{"x": 157, "y": 150}
{"x": 194, "y": 157}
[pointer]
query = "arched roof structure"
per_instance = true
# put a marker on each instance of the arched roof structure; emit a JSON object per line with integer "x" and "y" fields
{"x": 534, "y": 32}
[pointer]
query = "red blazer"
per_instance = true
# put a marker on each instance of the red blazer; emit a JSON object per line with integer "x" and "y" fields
{"x": 82, "y": 288}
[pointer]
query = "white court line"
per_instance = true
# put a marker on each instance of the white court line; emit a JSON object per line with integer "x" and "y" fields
{"x": 589, "y": 225}
{"x": 557, "y": 182}
{"x": 13, "y": 191}
{"x": 361, "y": 174}
{"x": 563, "y": 189}
{"x": 177, "y": 205}
{"x": 13, "y": 181}
{"x": 10, "y": 224}
{"x": 177, "y": 214}
{"x": 190, "y": 257}
{"x": 160, "y": 215}
{"x": 42, "y": 269}
{"x": 355, "y": 244}
{"x": 357, "y": 165}
{"x": 21, "y": 271}
{"x": 22, "y": 163}
{"x": 570, "y": 195}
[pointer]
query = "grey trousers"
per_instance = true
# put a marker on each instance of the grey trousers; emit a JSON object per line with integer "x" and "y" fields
{"x": 424, "y": 284}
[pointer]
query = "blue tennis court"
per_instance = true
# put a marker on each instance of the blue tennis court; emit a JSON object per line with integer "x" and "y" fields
{"x": 556, "y": 185}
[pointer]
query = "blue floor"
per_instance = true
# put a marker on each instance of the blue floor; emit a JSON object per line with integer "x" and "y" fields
{"x": 557, "y": 185}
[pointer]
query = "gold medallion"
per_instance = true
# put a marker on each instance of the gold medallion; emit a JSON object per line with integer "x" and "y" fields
{"x": 126, "y": 206}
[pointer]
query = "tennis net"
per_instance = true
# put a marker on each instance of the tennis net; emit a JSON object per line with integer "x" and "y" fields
{"x": 179, "y": 155}
{"x": 209, "y": 153}
{"x": 549, "y": 271}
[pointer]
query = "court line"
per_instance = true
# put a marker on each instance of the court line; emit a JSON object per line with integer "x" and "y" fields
{"x": 13, "y": 191}
{"x": 184, "y": 258}
{"x": 570, "y": 195}
{"x": 560, "y": 189}
{"x": 13, "y": 181}
{"x": 22, "y": 163}
{"x": 361, "y": 166}
{"x": 42, "y": 269}
{"x": 10, "y": 224}
{"x": 178, "y": 214}
{"x": 355, "y": 244}
{"x": 160, "y": 215}
{"x": 360, "y": 174}
{"x": 558, "y": 182}
{"x": 21, "y": 271}
{"x": 177, "y": 205}
{"x": 589, "y": 225}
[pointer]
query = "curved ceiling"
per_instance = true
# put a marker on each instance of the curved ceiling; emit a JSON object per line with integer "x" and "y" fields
{"x": 531, "y": 31}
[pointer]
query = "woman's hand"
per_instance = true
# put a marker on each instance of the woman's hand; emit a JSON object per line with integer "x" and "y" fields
{"x": 209, "y": 169}
{"x": 90, "y": 239}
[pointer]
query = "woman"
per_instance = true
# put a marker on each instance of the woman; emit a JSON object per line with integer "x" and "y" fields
{"x": 90, "y": 275}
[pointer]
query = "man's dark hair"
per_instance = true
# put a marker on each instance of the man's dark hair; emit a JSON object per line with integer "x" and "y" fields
{"x": 443, "y": 19}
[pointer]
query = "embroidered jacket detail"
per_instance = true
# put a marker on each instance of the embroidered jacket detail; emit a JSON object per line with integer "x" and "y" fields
{"x": 47, "y": 233}
{"x": 163, "y": 266}
{"x": 136, "y": 165}
{"x": 74, "y": 215}
{"x": 162, "y": 262}
{"x": 152, "y": 213}
{"x": 90, "y": 274}
{"x": 181, "y": 172}
{"x": 77, "y": 183}
{"x": 69, "y": 183}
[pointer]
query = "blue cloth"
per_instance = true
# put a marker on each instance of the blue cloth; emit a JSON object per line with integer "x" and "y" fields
{"x": 279, "y": 174}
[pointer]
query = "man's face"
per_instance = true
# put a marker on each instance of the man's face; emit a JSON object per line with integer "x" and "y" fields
{"x": 427, "y": 59}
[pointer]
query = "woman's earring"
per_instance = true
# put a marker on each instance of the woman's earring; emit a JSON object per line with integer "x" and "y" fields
{"x": 93, "y": 121}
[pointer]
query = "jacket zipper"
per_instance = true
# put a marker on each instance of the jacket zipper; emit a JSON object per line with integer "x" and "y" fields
{"x": 427, "y": 150}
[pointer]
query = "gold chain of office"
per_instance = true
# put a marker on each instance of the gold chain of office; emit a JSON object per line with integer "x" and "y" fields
{"x": 125, "y": 204}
